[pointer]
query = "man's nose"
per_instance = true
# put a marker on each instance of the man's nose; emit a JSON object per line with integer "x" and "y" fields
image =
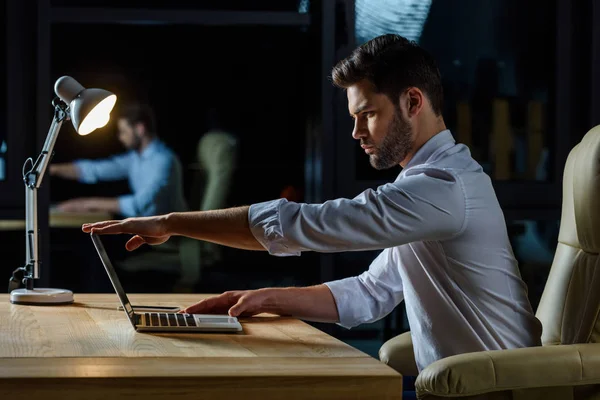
{"x": 359, "y": 130}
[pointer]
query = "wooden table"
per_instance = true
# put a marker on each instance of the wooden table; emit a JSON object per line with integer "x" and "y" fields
{"x": 90, "y": 349}
{"x": 58, "y": 219}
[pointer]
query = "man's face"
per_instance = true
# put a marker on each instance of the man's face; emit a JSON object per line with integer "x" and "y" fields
{"x": 129, "y": 136}
{"x": 384, "y": 134}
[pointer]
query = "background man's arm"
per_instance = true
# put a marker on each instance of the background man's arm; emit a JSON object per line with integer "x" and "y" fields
{"x": 65, "y": 170}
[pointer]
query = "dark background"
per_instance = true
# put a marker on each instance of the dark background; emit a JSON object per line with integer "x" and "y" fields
{"x": 261, "y": 68}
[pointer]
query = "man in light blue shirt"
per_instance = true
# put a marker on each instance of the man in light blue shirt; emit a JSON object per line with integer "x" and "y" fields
{"x": 151, "y": 168}
{"x": 445, "y": 247}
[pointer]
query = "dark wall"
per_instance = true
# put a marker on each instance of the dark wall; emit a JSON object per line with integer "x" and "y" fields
{"x": 252, "y": 81}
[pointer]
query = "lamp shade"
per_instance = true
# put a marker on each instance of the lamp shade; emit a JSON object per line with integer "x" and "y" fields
{"x": 89, "y": 108}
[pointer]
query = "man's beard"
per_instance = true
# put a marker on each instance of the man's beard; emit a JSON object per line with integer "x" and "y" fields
{"x": 136, "y": 145}
{"x": 395, "y": 146}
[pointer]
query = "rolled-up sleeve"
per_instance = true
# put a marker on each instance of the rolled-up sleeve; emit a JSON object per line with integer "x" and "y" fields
{"x": 427, "y": 205}
{"x": 265, "y": 225}
{"x": 110, "y": 169}
{"x": 370, "y": 296}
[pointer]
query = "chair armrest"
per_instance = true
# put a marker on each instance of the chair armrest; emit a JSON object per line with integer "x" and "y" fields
{"x": 398, "y": 354}
{"x": 490, "y": 371}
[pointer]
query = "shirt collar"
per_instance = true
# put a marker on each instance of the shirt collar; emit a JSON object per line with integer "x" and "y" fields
{"x": 438, "y": 143}
{"x": 152, "y": 148}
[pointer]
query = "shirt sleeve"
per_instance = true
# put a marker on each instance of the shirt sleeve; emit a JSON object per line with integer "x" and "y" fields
{"x": 110, "y": 169}
{"x": 426, "y": 205}
{"x": 150, "y": 200}
{"x": 370, "y": 296}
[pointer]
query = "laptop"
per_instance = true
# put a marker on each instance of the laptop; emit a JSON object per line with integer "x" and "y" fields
{"x": 164, "y": 321}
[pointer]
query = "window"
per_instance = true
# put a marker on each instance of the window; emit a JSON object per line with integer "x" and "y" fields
{"x": 3, "y": 89}
{"x": 497, "y": 59}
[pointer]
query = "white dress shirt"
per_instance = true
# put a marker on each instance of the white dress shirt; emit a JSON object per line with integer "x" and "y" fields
{"x": 446, "y": 254}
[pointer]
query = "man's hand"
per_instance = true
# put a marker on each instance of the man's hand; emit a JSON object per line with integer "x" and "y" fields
{"x": 227, "y": 227}
{"x": 65, "y": 170}
{"x": 245, "y": 303}
{"x": 76, "y": 205}
{"x": 149, "y": 230}
{"x": 313, "y": 303}
{"x": 90, "y": 204}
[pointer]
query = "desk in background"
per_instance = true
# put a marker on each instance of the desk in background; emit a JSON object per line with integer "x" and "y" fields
{"x": 59, "y": 219}
{"x": 89, "y": 349}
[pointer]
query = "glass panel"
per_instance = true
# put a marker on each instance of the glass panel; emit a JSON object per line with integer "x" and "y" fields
{"x": 403, "y": 17}
{"x": 252, "y": 83}
{"x": 256, "y": 5}
{"x": 262, "y": 102}
{"x": 3, "y": 89}
{"x": 534, "y": 243}
{"x": 497, "y": 60}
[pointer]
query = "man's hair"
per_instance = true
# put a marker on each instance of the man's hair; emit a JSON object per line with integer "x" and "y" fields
{"x": 392, "y": 63}
{"x": 139, "y": 113}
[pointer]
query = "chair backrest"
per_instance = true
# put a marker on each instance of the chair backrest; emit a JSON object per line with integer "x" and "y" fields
{"x": 217, "y": 155}
{"x": 570, "y": 305}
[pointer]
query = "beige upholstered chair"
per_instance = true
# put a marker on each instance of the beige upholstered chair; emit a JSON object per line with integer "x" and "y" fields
{"x": 217, "y": 161}
{"x": 567, "y": 366}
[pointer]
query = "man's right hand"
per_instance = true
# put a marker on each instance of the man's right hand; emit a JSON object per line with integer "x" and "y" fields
{"x": 245, "y": 303}
{"x": 313, "y": 303}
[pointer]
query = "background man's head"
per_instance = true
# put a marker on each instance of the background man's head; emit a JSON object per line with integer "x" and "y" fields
{"x": 394, "y": 90}
{"x": 136, "y": 126}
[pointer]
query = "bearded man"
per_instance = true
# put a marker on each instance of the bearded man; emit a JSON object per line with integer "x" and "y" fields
{"x": 445, "y": 247}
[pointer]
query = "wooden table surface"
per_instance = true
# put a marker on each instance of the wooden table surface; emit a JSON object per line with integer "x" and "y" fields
{"x": 90, "y": 349}
{"x": 58, "y": 219}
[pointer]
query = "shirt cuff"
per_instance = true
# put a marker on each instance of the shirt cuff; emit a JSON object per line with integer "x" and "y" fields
{"x": 265, "y": 225}
{"x": 345, "y": 293}
{"x": 127, "y": 205}
{"x": 85, "y": 171}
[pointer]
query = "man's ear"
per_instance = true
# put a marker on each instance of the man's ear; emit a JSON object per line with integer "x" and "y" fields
{"x": 139, "y": 129}
{"x": 415, "y": 101}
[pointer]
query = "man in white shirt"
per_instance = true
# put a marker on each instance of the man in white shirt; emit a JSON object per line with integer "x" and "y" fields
{"x": 446, "y": 251}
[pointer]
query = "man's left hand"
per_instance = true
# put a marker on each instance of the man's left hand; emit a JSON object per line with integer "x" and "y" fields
{"x": 149, "y": 230}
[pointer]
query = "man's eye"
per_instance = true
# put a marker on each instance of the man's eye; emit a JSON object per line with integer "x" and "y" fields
{"x": 370, "y": 114}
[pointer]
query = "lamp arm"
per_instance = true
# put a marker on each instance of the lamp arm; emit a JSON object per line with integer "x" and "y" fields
{"x": 36, "y": 174}
{"x": 33, "y": 179}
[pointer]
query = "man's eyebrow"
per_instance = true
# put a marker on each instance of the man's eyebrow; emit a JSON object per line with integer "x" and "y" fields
{"x": 360, "y": 109}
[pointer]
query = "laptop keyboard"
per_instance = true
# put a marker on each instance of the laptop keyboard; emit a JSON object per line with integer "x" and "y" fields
{"x": 169, "y": 319}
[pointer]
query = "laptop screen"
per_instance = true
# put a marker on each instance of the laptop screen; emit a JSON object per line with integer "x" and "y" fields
{"x": 112, "y": 275}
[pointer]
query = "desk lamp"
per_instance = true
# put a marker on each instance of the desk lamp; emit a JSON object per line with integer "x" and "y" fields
{"x": 87, "y": 109}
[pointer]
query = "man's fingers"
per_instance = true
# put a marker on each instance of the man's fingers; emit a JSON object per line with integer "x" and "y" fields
{"x": 97, "y": 225}
{"x": 213, "y": 305}
{"x": 113, "y": 229}
{"x": 139, "y": 240}
{"x": 238, "y": 308}
{"x": 134, "y": 242}
{"x": 201, "y": 307}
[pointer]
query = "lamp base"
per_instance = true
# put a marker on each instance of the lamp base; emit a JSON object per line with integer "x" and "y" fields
{"x": 41, "y": 297}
